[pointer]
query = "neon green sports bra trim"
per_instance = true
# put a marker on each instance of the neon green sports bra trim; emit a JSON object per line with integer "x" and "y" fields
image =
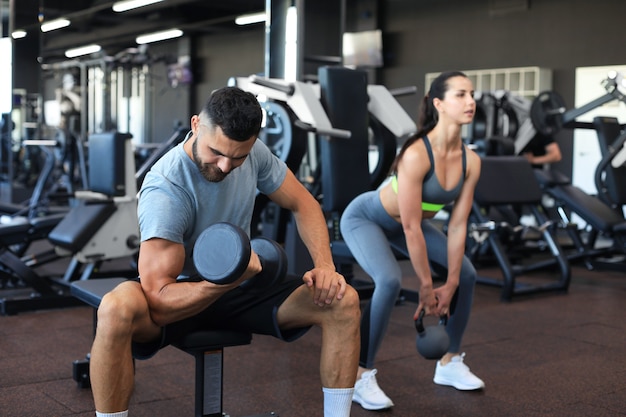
{"x": 425, "y": 206}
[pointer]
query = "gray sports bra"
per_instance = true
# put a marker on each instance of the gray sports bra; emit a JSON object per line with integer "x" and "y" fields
{"x": 434, "y": 196}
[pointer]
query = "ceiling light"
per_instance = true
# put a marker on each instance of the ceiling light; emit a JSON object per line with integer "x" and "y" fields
{"x": 248, "y": 19}
{"x": 83, "y": 50}
{"x": 159, "y": 36}
{"x": 122, "y": 6}
{"x": 18, "y": 34}
{"x": 54, "y": 24}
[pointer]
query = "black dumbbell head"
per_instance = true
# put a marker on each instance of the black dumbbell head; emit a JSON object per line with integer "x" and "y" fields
{"x": 274, "y": 261}
{"x": 221, "y": 253}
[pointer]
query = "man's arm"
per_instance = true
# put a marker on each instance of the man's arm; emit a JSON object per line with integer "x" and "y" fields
{"x": 293, "y": 196}
{"x": 312, "y": 228}
{"x": 160, "y": 263}
{"x": 552, "y": 155}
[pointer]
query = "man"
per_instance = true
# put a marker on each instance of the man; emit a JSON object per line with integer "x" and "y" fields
{"x": 212, "y": 177}
{"x": 542, "y": 150}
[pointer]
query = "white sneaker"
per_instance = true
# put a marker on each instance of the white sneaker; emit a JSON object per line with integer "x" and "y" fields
{"x": 456, "y": 374}
{"x": 368, "y": 393}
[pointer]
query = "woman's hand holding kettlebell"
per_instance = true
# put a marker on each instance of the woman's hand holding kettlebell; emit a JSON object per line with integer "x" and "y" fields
{"x": 427, "y": 301}
{"x": 444, "y": 296}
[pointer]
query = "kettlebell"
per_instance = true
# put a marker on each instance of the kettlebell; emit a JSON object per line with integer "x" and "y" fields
{"x": 432, "y": 342}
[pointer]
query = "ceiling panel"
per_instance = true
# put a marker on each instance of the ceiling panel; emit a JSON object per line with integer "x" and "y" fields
{"x": 94, "y": 21}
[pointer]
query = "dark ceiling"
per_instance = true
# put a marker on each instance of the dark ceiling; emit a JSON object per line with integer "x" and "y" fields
{"x": 94, "y": 21}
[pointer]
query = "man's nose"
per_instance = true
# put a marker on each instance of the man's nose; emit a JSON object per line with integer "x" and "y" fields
{"x": 225, "y": 164}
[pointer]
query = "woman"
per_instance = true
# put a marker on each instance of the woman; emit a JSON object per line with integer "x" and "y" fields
{"x": 434, "y": 168}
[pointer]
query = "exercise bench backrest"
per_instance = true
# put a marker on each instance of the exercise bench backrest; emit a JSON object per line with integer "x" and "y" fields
{"x": 107, "y": 163}
{"x": 109, "y": 157}
{"x": 506, "y": 180}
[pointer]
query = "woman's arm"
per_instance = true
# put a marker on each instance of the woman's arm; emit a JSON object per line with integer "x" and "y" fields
{"x": 457, "y": 233}
{"x": 411, "y": 172}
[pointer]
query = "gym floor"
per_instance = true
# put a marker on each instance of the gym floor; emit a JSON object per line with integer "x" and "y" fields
{"x": 541, "y": 355}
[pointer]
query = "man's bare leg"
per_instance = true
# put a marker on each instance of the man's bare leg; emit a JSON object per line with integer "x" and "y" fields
{"x": 340, "y": 323}
{"x": 123, "y": 315}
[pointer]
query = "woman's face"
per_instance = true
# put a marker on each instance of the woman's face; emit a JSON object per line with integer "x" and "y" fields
{"x": 458, "y": 103}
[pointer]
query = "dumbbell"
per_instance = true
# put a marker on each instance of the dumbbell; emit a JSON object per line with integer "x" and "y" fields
{"x": 432, "y": 341}
{"x": 222, "y": 252}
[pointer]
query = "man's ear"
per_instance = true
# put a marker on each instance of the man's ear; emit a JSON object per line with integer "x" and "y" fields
{"x": 195, "y": 123}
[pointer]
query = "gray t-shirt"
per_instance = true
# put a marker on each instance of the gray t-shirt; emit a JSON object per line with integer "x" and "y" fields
{"x": 176, "y": 202}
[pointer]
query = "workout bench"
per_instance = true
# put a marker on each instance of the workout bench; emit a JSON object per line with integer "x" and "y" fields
{"x": 207, "y": 347}
{"x": 495, "y": 187}
{"x": 103, "y": 224}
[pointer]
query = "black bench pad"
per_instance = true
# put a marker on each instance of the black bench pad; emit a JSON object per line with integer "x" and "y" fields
{"x": 80, "y": 224}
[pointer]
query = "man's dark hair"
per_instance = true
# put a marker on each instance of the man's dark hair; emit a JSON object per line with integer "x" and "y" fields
{"x": 235, "y": 111}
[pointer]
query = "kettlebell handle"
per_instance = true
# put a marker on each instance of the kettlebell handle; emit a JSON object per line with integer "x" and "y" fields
{"x": 419, "y": 323}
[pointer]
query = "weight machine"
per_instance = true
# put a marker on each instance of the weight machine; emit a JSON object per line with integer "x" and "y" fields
{"x": 302, "y": 102}
{"x": 604, "y": 212}
{"x": 383, "y": 125}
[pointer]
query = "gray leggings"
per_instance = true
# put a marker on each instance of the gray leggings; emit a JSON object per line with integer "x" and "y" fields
{"x": 370, "y": 233}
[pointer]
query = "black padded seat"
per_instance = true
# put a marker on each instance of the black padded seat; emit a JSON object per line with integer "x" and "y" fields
{"x": 203, "y": 340}
{"x": 80, "y": 224}
{"x": 91, "y": 291}
{"x": 27, "y": 231}
{"x": 591, "y": 209}
{"x": 13, "y": 233}
{"x": 510, "y": 180}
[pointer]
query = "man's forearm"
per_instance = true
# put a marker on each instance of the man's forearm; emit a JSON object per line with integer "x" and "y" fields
{"x": 313, "y": 231}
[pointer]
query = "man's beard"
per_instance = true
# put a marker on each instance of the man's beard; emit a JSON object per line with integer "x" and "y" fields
{"x": 210, "y": 172}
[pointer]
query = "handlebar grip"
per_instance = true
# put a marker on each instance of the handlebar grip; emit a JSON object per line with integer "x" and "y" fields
{"x": 287, "y": 89}
{"x": 403, "y": 91}
{"x": 337, "y": 133}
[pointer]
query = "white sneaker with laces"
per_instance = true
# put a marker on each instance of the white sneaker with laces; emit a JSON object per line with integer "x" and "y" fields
{"x": 456, "y": 374}
{"x": 368, "y": 394}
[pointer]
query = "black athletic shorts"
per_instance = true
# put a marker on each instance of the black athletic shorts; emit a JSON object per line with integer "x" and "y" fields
{"x": 238, "y": 309}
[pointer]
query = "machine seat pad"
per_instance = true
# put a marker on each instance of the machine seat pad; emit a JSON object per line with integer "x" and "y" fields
{"x": 203, "y": 340}
{"x": 81, "y": 224}
{"x": 620, "y": 228}
{"x": 12, "y": 234}
{"x": 91, "y": 291}
{"x": 591, "y": 209}
{"x": 551, "y": 178}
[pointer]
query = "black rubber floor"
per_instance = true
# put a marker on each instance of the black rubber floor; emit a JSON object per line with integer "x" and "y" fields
{"x": 541, "y": 355}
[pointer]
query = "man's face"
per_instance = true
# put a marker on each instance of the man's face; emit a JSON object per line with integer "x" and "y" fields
{"x": 216, "y": 155}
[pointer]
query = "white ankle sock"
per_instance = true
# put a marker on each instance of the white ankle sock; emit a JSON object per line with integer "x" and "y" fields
{"x": 337, "y": 402}
{"x": 118, "y": 414}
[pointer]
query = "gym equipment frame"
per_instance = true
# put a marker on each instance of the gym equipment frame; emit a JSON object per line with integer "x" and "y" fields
{"x": 494, "y": 188}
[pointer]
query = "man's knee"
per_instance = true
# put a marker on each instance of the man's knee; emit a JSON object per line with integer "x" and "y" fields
{"x": 120, "y": 307}
{"x": 349, "y": 306}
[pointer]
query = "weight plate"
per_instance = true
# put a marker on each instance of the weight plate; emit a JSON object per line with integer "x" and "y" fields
{"x": 546, "y": 112}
